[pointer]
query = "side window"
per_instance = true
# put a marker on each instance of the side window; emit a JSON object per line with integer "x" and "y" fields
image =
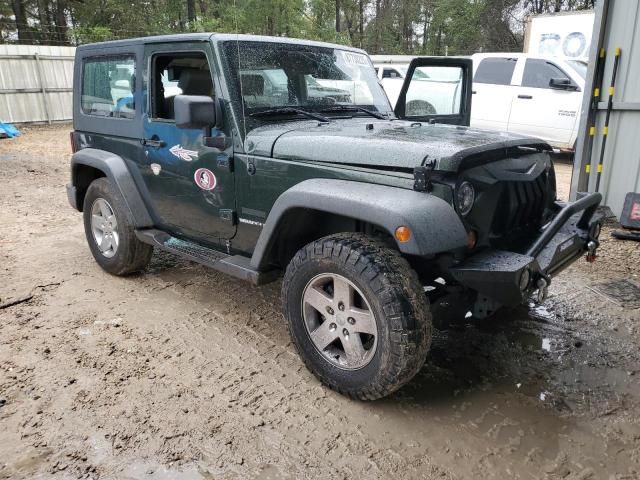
{"x": 108, "y": 86}
{"x": 435, "y": 91}
{"x": 391, "y": 73}
{"x": 538, "y": 73}
{"x": 177, "y": 74}
{"x": 497, "y": 71}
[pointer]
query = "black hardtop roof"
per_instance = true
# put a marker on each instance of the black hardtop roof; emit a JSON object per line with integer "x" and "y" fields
{"x": 217, "y": 37}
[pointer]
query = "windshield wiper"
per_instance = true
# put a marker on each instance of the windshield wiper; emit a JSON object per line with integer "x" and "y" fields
{"x": 354, "y": 108}
{"x": 289, "y": 111}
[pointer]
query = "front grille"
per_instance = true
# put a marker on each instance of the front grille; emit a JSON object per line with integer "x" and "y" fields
{"x": 521, "y": 206}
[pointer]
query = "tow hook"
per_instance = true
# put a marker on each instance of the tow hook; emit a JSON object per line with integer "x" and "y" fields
{"x": 542, "y": 285}
{"x": 591, "y": 251}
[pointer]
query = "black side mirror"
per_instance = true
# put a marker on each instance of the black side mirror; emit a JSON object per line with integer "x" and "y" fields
{"x": 195, "y": 111}
{"x": 562, "y": 84}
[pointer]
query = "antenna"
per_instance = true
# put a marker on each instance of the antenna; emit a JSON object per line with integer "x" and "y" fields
{"x": 244, "y": 118}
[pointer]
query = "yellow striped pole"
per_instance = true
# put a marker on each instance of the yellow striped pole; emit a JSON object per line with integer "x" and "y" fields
{"x": 605, "y": 129}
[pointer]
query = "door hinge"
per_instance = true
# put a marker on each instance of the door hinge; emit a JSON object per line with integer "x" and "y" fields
{"x": 229, "y": 215}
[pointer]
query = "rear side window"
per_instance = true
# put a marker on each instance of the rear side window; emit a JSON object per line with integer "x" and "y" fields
{"x": 391, "y": 73}
{"x": 538, "y": 73}
{"x": 497, "y": 71}
{"x": 108, "y": 86}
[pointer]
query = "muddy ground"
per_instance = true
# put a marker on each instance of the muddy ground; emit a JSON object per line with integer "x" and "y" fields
{"x": 185, "y": 373}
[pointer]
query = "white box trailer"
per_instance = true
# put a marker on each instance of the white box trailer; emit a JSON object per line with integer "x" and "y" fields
{"x": 564, "y": 34}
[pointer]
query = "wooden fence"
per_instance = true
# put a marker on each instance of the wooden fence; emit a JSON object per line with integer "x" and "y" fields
{"x": 36, "y": 83}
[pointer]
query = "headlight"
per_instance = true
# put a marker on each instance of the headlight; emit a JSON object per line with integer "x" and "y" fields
{"x": 465, "y": 196}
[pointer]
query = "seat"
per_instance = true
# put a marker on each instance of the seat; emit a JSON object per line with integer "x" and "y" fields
{"x": 195, "y": 82}
{"x": 192, "y": 82}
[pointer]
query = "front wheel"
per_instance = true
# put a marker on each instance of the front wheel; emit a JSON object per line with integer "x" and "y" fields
{"x": 357, "y": 315}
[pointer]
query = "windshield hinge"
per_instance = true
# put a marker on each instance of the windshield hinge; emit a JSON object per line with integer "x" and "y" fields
{"x": 422, "y": 176}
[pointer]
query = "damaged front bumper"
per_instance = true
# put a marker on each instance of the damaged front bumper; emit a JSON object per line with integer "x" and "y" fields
{"x": 509, "y": 278}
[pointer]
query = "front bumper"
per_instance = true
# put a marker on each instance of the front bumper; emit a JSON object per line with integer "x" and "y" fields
{"x": 498, "y": 275}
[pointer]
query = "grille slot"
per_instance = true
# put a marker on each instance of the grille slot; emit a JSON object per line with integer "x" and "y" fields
{"x": 523, "y": 205}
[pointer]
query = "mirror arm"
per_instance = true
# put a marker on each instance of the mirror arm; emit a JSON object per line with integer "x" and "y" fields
{"x": 219, "y": 141}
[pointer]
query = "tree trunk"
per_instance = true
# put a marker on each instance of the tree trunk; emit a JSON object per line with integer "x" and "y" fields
{"x": 44, "y": 22}
{"x": 425, "y": 29}
{"x": 204, "y": 11}
{"x": 337, "y": 15}
{"x": 61, "y": 23}
{"x": 191, "y": 13}
{"x": 361, "y": 24}
{"x": 25, "y": 32}
{"x": 376, "y": 46}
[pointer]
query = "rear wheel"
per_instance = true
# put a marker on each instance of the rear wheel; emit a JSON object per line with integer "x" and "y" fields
{"x": 357, "y": 315}
{"x": 110, "y": 232}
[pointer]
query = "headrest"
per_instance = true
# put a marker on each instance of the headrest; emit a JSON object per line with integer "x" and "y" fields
{"x": 195, "y": 82}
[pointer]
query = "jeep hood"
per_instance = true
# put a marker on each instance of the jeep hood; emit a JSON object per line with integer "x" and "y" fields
{"x": 397, "y": 144}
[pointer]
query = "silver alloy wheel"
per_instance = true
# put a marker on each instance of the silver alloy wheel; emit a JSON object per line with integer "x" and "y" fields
{"x": 104, "y": 227}
{"x": 339, "y": 321}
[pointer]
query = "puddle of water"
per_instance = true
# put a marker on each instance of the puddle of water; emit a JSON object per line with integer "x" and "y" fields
{"x": 519, "y": 386}
{"x": 147, "y": 471}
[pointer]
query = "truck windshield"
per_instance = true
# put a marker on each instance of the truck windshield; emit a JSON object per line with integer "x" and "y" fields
{"x": 264, "y": 76}
{"x": 580, "y": 67}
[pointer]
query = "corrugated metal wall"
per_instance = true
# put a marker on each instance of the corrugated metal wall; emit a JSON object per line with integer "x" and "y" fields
{"x": 618, "y": 24}
{"x": 36, "y": 83}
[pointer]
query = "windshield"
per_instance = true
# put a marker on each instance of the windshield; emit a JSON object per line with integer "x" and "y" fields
{"x": 419, "y": 74}
{"x": 311, "y": 78}
{"x": 580, "y": 67}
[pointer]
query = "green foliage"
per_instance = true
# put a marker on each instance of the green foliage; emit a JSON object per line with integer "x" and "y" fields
{"x": 433, "y": 27}
{"x": 92, "y": 34}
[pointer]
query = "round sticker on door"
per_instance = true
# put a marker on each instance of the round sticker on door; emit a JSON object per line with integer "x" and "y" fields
{"x": 205, "y": 179}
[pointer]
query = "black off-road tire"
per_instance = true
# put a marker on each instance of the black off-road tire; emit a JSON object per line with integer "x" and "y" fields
{"x": 131, "y": 255}
{"x": 395, "y": 295}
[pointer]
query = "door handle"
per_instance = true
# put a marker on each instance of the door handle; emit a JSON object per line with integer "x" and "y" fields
{"x": 525, "y": 97}
{"x": 152, "y": 142}
{"x": 474, "y": 92}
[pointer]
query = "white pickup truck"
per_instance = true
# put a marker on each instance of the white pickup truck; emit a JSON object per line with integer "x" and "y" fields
{"x": 514, "y": 92}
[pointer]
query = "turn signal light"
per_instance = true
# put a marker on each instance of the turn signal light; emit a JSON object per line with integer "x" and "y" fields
{"x": 403, "y": 234}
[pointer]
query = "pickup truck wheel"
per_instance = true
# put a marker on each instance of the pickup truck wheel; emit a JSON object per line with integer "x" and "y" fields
{"x": 419, "y": 107}
{"x": 357, "y": 315}
{"x": 110, "y": 233}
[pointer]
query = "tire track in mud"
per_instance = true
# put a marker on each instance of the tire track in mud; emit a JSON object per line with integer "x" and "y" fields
{"x": 287, "y": 396}
{"x": 277, "y": 396}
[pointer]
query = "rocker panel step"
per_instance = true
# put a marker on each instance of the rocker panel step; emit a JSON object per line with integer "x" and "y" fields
{"x": 235, "y": 265}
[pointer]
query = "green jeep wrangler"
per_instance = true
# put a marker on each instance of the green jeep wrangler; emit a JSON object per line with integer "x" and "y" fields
{"x": 257, "y": 155}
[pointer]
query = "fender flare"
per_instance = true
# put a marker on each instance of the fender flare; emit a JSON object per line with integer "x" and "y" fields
{"x": 115, "y": 169}
{"x": 434, "y": 224}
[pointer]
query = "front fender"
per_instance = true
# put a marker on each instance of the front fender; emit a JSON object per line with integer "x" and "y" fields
{"x": 435, "y": 226}
{"x": 115, "y": 169}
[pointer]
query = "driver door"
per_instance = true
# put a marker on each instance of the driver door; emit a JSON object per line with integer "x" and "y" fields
{"x": 437, "y": 90}
{"x": 189, "y": 185}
